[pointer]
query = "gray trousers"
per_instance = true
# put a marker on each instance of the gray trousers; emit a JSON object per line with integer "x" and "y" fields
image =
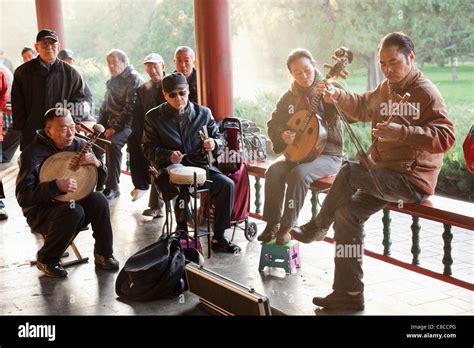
{"x": 113, "y": 153}
{"x": 296, "y": 179}
{"x": 351, "y": 200}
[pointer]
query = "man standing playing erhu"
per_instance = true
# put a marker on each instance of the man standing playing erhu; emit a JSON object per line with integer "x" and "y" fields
{"x": 408, "y": 158}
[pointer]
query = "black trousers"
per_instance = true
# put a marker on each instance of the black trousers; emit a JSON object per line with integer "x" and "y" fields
{"x": 113, "y": 153}
{"x": 351, "y": 200}
{"x": 139, "y": 171}
{"x": 62, "y": 221}
{"x": 221, "y": 192}
{"x": 2, "y": 195}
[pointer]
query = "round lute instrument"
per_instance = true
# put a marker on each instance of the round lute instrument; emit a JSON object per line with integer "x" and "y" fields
{"x": 65, "y": 165}
{"x": 309, "y": 126}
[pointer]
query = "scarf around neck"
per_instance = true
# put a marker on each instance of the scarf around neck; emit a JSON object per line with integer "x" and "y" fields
{"x": 304, "y": 94}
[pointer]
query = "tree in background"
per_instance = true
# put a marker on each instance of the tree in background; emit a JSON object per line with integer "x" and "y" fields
{"x": 137, "y": 27}
{"x": 440, "y": 29}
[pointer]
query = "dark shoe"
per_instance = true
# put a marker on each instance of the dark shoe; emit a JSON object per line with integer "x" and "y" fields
{"x": 53, "y": 270}
{"x": 308, "y": 232}
{"x": 3, "y": 214}
{"x": 107, "y": 263}
{"x": 111, "y": 194}
{"x": 283, "y": 235}
{"x": 269, "y": 232}
{"x": 224, "y": 245}
{"x": 154, "y": 213}
{"x": 341, "y": 301}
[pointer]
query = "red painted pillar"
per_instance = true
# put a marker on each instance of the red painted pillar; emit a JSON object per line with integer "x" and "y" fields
{"x": 213, "y": 50}
{"x": 49, "y": 15}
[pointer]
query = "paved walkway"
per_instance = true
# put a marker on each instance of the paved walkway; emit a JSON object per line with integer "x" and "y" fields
{"x": 390, "y": 290}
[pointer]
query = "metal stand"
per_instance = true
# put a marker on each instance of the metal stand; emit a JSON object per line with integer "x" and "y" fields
{"x": 192, "y": 191}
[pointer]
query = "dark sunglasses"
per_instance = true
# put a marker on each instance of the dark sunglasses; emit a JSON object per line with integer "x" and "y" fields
{"x": 180, "y": 93}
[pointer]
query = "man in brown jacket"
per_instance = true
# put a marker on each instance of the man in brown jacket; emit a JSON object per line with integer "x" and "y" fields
{"x": 408, "y": 157}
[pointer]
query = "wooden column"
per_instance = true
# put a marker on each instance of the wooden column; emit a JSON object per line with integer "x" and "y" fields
{"x": 49, "y": 15}
{"x": 213, "y": 50}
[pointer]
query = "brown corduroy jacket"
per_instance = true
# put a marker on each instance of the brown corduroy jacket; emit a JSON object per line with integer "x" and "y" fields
{"x": 424, "y": 137}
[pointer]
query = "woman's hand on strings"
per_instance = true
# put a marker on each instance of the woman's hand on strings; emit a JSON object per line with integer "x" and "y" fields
{"x": 328, "y": 91}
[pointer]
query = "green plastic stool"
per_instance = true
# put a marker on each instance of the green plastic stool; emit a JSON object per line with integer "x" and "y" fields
{"x": 285, "y": 256}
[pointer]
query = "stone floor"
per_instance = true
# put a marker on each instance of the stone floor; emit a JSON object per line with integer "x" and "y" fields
{"x": 390, "y": 290}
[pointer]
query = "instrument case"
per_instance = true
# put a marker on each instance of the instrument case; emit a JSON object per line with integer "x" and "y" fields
{"x": 224, "y": 295}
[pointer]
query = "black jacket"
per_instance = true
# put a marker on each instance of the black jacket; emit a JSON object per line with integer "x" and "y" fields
{"x": 30, "y": 193}
{"x": 166, "y": 130}
{"x": 150, "y": 95}
{"x": 36, "y": 89}
{"x": 193, "y": 92}
{"x": 119, "y": 101}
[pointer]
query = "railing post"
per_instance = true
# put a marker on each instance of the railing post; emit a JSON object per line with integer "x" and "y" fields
{"x": 362, "y": 230}
{"x": 314, "y": 204}
{"x": 127, "y": 162}
{"x": 258, "y": 202}
{"x": 415, "y": 239}
{"x": 447, "y": 259}
{"x": 387, "y": 242}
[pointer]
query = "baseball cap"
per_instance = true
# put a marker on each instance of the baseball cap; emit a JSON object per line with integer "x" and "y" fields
{"x": 173, "y": 81}
{"x": 46, "y": 34}
{"x": 65, "y": 54}
{"x": 153, "y": 58}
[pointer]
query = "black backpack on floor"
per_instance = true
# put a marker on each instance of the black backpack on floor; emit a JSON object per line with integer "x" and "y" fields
{"x": 154, "y": 272}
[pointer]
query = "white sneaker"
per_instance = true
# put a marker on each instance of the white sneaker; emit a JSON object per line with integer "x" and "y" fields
{"x": 137, "y": 194}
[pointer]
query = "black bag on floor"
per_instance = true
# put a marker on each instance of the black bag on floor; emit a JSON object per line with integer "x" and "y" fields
{"x": 154, "y": 272}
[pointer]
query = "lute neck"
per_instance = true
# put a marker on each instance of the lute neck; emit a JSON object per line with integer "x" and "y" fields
{"x": 314, "y": 106}
{"x": 74, "y": 164}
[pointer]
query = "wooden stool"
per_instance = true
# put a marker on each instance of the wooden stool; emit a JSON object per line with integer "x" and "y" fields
{"x": 285, "y": 256}
{"x": 79, "y": 258}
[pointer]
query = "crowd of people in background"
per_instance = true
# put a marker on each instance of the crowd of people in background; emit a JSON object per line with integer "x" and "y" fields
{"x": 128, "y": 98}
{"x": 51, "y": 101}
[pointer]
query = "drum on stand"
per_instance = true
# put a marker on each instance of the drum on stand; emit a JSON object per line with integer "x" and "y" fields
{"x": 185, "y": 175}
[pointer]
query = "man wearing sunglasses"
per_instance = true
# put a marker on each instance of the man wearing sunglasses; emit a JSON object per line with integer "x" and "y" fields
{"x": 171, "y": 136}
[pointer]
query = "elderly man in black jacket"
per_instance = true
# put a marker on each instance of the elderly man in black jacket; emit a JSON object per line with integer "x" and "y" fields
{"x": 43, "y": 83}
{"x": 116, "y": 114}
{"x": 59, "y": 222}
{"x": 171, "y": 136}
{"x": 184, "y": 62}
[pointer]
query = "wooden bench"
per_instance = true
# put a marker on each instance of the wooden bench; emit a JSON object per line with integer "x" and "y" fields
{"x": 440, "y": 209}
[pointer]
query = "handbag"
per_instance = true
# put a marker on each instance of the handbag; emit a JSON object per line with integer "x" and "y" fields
{"x": 154, "y": 272}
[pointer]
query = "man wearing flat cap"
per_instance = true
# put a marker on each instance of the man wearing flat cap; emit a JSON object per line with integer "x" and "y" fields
{"x": 149, "y": 95}
{"x": 44, "y": 83}
{"x": 171, "y": 136}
